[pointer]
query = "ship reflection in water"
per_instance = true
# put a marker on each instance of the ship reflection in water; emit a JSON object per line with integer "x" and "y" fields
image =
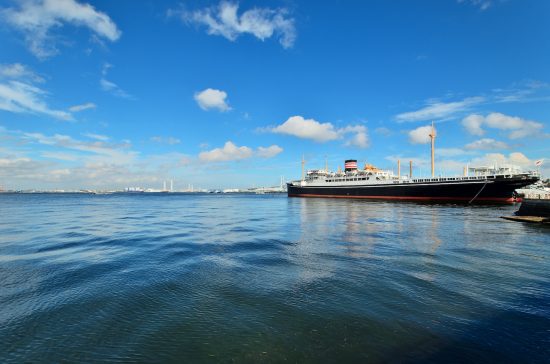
{"x": 248, "y": 278}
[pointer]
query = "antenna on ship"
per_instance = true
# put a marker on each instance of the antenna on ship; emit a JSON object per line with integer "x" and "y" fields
{"x": 410, "y": 169}
{"x": 326, "y": 163}
{"x": 432, "y": 137}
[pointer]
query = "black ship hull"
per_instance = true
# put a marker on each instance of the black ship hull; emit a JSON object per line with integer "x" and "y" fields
{"x": 497, "y": 189}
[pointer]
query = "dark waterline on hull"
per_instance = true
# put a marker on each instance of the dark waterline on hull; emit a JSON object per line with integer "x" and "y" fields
{"x": 189, "y": 278}
{"x": 439, "y": 199}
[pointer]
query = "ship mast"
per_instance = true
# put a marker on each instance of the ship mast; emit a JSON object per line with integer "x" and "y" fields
{"x": 432, "y": 137}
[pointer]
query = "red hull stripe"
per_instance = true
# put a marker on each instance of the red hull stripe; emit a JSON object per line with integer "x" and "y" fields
{"x": 413, "y": 198}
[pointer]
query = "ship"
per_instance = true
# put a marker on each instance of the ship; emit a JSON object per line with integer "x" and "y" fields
{"x": 493, "y": 184}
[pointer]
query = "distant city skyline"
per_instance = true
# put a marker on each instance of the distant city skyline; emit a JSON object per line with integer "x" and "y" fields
{"x": 106, "y": 95}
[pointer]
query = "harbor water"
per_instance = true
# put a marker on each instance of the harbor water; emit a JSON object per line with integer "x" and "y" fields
{"x": 266, "y": 278}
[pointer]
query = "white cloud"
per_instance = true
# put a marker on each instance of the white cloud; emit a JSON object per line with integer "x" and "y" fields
{"x": 516, "y": 158}
{"x": 229, "y": 152}
{"x": 34, "y": 160}
{"x": 269, "y": 152}
{"x": 524, "y": 91}
{"x": 360, "y": 137}
{"x": 420, "y": 135}
{"x": 312, "y": 129}
{"x": 100, "y": 137}
{"x": 518, "y": 127}
{"x": 19, "y": 71}
{"x": 263, "y": 23}
{"x": 212, "y": 99}
{"x": 165, "y": 140}
{"x": 473, "y": 123}
{"x": 448, "y": 167}
{"x": 60, "y": 156}
{"x": 110, "y": 86}
{"x": 21, "y": 97}
{"x": 450, "y": 152}
{"x": 504, "y": 122}
{"x": 86, "y": 106}
{"x": 307, "y": 129}
{"x": 439, "y": 110}
{"x": 19, "y": 94}
{"x": 481, "y": 4}
{"x": 383, "y": 131}
{"x": 97, "y": 151}
{"x": 487, "y": 144}
{"x": 37, "y": 18}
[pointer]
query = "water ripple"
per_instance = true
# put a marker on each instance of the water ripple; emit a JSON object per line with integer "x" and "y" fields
{"x": 246, "y": 278}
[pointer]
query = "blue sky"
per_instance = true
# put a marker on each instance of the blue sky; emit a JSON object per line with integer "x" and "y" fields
{"x": 108, "y": 94}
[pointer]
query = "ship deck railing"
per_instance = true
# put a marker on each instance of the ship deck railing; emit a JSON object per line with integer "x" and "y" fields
{"x": 461, "y": 178}
{"x": 543, "y": 195}
{"x": 395, "y": 180}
